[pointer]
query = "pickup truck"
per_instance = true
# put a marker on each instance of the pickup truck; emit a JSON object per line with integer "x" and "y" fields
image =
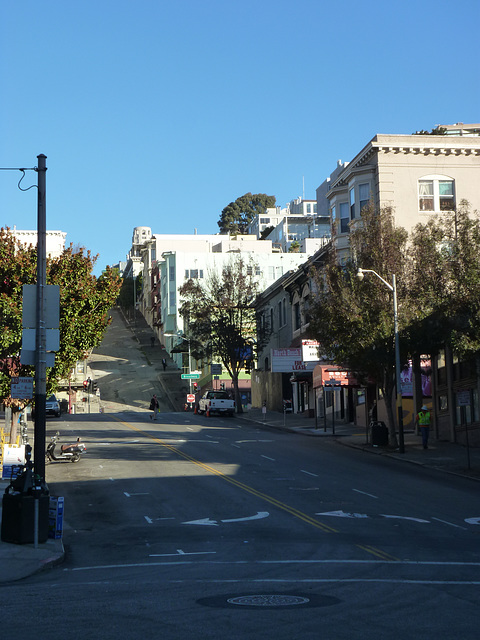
{"x": 216, "y": 402}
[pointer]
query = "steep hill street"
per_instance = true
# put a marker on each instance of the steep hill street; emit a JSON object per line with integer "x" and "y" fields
{"x": 196, "y": 527}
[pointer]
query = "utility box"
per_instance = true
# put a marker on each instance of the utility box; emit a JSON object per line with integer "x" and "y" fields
{"x": 18, "y": 518}
{"x": 55, "y": 528}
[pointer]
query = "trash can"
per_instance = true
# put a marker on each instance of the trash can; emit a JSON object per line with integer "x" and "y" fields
{"x": 18, "y": 518}
{"x": 379, "y": 434}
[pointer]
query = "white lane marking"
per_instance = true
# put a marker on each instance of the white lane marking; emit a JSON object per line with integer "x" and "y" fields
{"x": 304, "y": 488}
{"x": 472, "y": 520}
{"x": 129, "y": 495}
{"x": 149, "y": 520}
{"x": 180, "y": 552}
{"x": 165, "y": 518}
{"x": 366, "y": 494}
{"x": 450, "y": 523}
{"x": 290, "y": 580}
{"x": 267, "y": 458}
{"x": 315, "y": 475}
{"x": 236, "y": 446}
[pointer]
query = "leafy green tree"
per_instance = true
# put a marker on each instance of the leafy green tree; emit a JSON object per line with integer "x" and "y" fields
{"x": 445, "y": 277}
{"x": 84, "y": 304}
{"x": 266, "y": 232}
{"x": 353, "y": 319}
{"x": 218, "y": 313}
{"x": 237, "y": 215}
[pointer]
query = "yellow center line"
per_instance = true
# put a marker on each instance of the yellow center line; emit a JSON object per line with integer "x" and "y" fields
{"x": 259, "y": 494}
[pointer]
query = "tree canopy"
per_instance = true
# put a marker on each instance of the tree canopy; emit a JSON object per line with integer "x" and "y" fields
{"x": 84, "y": 304}
{"x": 219, "y": 314}
{"x": 353, "y": 319}
{"x": 237, "y": 215}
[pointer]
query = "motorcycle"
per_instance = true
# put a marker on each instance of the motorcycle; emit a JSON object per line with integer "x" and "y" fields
{"x": 68, "y": 452}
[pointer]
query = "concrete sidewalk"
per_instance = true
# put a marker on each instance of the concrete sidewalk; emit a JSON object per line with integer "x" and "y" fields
{"x": 19, "y": 561}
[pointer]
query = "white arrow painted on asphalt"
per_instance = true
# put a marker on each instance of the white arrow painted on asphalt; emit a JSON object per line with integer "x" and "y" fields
{"x": 472, "y": 520}
{"x": 258, "y": 516}
{"x": 207, "y": 521}
{"x": 405, "y": 518}
{"x": 203, "y": 521}
{"x": 343, "y": 514}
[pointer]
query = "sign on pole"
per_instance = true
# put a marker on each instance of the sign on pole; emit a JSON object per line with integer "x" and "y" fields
{"x": 21, "y": 388}
{"x": 190, "y": 376}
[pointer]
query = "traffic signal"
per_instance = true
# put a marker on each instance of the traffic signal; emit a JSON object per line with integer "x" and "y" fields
{"x": 195, "y": 386}
{"x": 94, "y": 386}
{"x": 85, "y": 385}
{"x": 222, "y": 386}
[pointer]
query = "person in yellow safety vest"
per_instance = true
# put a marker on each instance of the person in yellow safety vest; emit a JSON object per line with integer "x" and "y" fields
{"x": 423, "y": 421}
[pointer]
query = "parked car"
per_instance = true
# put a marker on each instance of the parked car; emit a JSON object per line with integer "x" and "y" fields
{"x": 216, "y": 402}
{"x": 52, "y": 406}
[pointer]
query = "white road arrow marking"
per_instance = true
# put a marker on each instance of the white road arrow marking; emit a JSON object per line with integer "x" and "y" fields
{"x": 405, "y": 518}
{"x": 129, "y": 495}
{"x": 207, "y": 521}
{"x": 203, "y": 521}
{"x": 342, "y": 514}
{"x": 258, "y": 516}
{"x": 472, "y": 520}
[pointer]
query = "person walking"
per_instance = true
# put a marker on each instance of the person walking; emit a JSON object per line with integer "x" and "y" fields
{"x": 154, "y": 406}
{"x": 422, "y": 419}
{"x": 164, "y": 362}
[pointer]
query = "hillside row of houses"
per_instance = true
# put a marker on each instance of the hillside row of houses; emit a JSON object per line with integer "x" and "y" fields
{"x": 417, "y": 176}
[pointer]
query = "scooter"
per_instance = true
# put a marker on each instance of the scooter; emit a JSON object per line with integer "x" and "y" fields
{"x": 68, "y": 452}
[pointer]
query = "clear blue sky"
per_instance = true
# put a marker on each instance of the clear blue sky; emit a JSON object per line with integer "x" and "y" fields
{"x": 161, "y": 113}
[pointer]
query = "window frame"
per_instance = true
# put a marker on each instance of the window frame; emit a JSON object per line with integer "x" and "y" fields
{"x": 435, "y": 197}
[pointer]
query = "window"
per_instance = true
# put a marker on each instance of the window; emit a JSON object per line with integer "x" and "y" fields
{"x": 309, "y": 208}
{"x": 271, "y": 320}
{"x": 352, "y": 203}
{"x": 296, "y": 316}
{"x": 436, "y": 194}
{"x": 315, "y": 208}
{"x": 172, "y": 274}
{"x": 264, "y": 220}
{"x": 363, "y": 195}
{"x": 193, "y": 274}
{"x": 271, "y": 273}
{"x": 344, "y": 217}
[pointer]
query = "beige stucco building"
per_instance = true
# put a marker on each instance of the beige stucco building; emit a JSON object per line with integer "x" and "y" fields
{"x": 418, "y": 176}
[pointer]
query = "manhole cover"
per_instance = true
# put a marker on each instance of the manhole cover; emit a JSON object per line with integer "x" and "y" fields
{"x": 268, "y": 600}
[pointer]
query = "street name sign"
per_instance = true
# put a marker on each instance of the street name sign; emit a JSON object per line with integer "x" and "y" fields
{"x": 190, "y": 376}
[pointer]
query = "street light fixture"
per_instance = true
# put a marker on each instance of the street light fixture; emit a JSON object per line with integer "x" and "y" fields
{"x": 393, "y": 289}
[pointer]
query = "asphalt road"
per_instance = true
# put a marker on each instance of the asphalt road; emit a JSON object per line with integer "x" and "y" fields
{"x": 207, "y": 528}
{"x": 214, "y": 528}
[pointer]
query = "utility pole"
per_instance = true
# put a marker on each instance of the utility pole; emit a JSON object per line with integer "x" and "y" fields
{"x": 40, "y": 340}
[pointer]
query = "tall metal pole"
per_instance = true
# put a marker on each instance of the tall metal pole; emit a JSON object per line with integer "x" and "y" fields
{"x": 40, "y": 344}
{"x": 398, "y": 370}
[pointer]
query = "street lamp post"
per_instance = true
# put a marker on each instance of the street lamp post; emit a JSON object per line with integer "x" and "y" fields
{"x": 393, "y": 289}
